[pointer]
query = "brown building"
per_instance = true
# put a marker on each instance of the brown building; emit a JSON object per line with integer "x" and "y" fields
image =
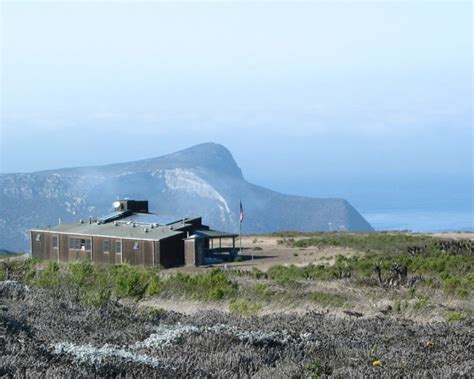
{"x": 132, "y": 234}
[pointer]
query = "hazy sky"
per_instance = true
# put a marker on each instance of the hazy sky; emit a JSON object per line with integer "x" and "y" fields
{"x": 294, "y": 90}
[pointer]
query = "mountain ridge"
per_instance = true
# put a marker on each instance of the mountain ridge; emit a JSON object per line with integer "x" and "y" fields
{"x": 201, "y": 180}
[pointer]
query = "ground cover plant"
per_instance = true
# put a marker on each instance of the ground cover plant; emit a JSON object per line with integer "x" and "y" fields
{"x": 46, "y": 335}
{"x": 387, "y": 259}
{"x": 88, "y": 319}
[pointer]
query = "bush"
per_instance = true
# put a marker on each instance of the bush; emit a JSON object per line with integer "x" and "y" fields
{"x": 244, "y": 307}
{"x": 328, "y": 299}
{"x": 131, "y": 281}
{"x": 262, "y": 291}
{"x": 455, "y": 316}
{"x": 214, "y": 285}
{"x": 49, "y": 277}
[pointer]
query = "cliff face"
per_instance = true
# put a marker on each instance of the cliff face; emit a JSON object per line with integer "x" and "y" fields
{"x": 202, "y": 180}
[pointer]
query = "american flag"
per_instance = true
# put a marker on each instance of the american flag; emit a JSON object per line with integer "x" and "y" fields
{"x": 241, "y": 218}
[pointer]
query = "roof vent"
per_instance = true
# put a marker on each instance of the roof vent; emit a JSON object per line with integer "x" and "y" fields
{"x": 152, "y": 226}
{"x": 145, "y": 230}
{"x": 133, "y": 225}
{"x": 115, "y": 223}
{"x": 171, "y": 227}
{"x": 81, "y": 221}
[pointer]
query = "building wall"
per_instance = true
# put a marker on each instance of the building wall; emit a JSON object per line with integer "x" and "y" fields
{"x": 75, "y": 255}
{"x": 194, "y": 251}
{"x": 157, "y": 253}
{"x": 141, "y": 256}
{"x": 167, "y": 253}
{"x": 98, "y": 253}
{"x": 190, "y": 252}
{"x": 38, "y": 247}
{"x": 63, "y": 248}
{"x": 43, "y": 248}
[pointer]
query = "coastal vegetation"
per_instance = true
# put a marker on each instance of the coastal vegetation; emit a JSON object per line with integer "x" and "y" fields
{"x": 408, "y": 269}
{"x": 353, "y": 315}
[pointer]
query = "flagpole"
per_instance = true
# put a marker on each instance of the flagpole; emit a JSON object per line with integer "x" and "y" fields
{"x": 240, "y": 236}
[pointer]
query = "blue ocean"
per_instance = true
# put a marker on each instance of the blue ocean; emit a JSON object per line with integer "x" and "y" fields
{"x": 420, "y": 220}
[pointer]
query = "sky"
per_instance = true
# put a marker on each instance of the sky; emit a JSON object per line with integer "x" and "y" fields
{"x": 314, "y": 98}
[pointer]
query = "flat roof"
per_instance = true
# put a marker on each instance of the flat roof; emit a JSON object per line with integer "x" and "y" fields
{"x": 126, "y": 231}
{"x": 213, "y": 233}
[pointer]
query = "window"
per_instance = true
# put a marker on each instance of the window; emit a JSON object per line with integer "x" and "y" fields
{"x": 118, "y": 247}
{"x": 136, "y": 246}
{"x": 80, "y": 244}
{"x": 38, "y": 237}
{"x": 54, "y": 241}
{"x": 106, "y": 246}
{"x": 88, "y": 244}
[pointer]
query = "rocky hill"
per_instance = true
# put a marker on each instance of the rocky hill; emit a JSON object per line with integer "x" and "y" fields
{"x": 202, "y": 180}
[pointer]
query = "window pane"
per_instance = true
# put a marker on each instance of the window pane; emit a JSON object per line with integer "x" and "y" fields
{"x": 55, "y": 241}
{"x": 88, "y": 244}
{"x": 106, "y": 246}
{"x": 38, "y": 237}
{"x": 118, "y": 247}
{"x": 136, "y": 246}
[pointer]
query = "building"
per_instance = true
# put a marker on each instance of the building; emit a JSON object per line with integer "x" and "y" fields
{"x": 134, "y": 235}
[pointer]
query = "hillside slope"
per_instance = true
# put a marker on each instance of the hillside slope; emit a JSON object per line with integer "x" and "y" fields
{"x": 202, "y": 180}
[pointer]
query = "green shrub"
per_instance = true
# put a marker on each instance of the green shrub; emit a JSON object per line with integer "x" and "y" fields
{"x": 397, "y": 307}
{"x": 263, "y": 292}
{"x": 455, "y": 316}
{"x": 50, "y": 277}
{"x": 154, "y": 287}
{"x": 209, "y": 286}
{"x": 82, "y": 274}
{"x": 131, "y": 281}
{"x": 421, "y": 303}
{"x": 328, "y": 299}
{"x": 244, "y": 307}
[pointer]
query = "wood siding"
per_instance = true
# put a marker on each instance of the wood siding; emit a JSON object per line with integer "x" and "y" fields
{"x": 142, "y": 256}
{"x": 98, "y": 253}
{"x": 168, "y": 252}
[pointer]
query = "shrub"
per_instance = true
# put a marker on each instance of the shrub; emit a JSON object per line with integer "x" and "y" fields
{"x": 262, "y": 291}
{"x": 154, "y": 287}
{"x": 213, "y": 285}
{"x": 244, "y": 307}
{"x": 131, "y": 281}
{"x": 455, "y": 316}
{"x": 327, "y": 299}
{"x": 50, "y": 276}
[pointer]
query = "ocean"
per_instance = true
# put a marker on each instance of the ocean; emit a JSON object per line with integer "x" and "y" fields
{"x": 420, "y": 220}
